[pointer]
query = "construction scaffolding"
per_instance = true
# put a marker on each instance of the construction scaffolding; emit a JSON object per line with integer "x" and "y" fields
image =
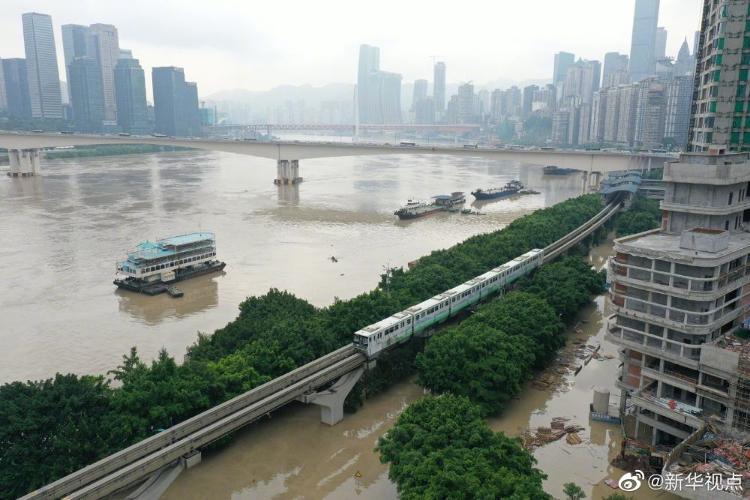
{"x": 741, "y": 419}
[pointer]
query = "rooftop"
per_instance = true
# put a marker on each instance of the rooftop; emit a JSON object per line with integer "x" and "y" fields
{"x": 167, "y": 246}
{"x": 660, "y": 245}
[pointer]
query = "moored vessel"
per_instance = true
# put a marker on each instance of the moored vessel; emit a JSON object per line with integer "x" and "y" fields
{"x": 153, "y": 266}
{"x": 555, "y": 170}
{"x": 511, "y": 188}
{"x": 444, "y": 202}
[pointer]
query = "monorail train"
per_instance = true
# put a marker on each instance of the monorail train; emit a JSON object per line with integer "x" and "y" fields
{"x": 374, "y": 338}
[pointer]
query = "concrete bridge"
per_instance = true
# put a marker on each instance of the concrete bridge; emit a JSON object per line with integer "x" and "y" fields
{"x": 24, "y": 152}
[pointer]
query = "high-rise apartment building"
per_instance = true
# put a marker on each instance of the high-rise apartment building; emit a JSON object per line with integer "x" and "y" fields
{"x": 528, "y": 100}
{"x": 650, "y": 112}
{"x": 677, "y": 112}
{"x": 41, "y": 65}
{"x": 15, "y": 77}
{"x": 386, "y": 97}
{"x": 175, "y": 102}
{"x": 87, "y": 98}
{"x": 130, "y": 89}
{"x": 615, "y": 70}
{"x": 438, "y": 92}
{"x": 719, "y": 120}
{"x": 582, "y": 80}
{"x": 660, "y": 46}
{"x": 420, "y": 92}
{"x": 563, "y": 61}
{"x": 643, "y": 41}
{"x": 378, "y": 92}
{"x": 466, "y": 103}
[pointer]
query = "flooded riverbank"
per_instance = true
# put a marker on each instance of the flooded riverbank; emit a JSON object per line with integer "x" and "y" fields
{"x": 293, "y": 455}
{"x": 70, "y": 225}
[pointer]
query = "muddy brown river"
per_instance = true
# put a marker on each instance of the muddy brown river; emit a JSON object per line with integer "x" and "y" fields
{"x": 61, "y": 312}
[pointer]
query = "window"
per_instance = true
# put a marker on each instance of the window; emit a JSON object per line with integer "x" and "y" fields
{"x": 743, "y": 75}
{"x": 731, "y": 195}
{"x": 739, "y": 106}
{"x": 737, "y": 122}
{"x": 735, "y": 138}
{"x": 726, "y": 225}
{"x": 712, "y": 107}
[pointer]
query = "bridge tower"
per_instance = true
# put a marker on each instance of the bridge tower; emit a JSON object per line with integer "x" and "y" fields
{"x": 24, "y": 162}
{"x": 287, "y": 172}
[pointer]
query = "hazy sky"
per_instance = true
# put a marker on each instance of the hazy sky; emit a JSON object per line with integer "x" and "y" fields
{"x": 227, "y": 44}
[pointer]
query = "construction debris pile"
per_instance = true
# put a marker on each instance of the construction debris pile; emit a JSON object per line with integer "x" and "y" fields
{"x": 556, "y": 430}
{"x": 716, "y": 452}
{"x": 635, "y": 455}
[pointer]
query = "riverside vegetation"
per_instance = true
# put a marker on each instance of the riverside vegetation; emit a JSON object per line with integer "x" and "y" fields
{"x": 53, "y": 427}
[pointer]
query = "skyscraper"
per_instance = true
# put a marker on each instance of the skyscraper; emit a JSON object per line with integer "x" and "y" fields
{"x": 175, "y": 102}
{"x": 615, "y": 69}
{"x": 582, "y": 80}
{"x": 17, "y": 88}
{"x": 369, "y": 63}
{"x": 77, "y": 42}
{"x": 41, "y": 65}
{"x": 107, "y": 46}
{"x": 660, "y": 46}
{"x": 528, "y": 99}
{"x": 719, "y": 120}
{"x": 388, "y": 97}
{"x": 643, "y": 41}
{"x": 563, "y": 61}
{"x": 130, "y": 89}
{"x": 438, "y": 92}
{"x": 466, "y": 103}
{"x": 420, "y": 92}
{"x": 649, "y": 118}
{"x": 685, "y": 63}
{"x": 87, "y": 98}
{"x": 677, "y": 113}
{"x": 3, "y": 96}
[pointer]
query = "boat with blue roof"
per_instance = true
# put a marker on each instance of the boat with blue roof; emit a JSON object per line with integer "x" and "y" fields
{"x": 154, "y": 266}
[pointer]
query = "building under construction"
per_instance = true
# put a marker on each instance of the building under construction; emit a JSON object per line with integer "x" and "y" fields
{"x": 680, "y": 301}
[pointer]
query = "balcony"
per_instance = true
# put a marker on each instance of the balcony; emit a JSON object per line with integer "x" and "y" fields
{"x": 686, "y": 354}
{"x": 676, "y": 410}
{"x": 706, "y": 208}
{"x": 672, "y": 377}
{"x": 662, "y": 426}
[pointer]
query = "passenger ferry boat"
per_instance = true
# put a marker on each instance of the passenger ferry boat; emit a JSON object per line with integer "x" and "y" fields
{"x": 152, "y": 265}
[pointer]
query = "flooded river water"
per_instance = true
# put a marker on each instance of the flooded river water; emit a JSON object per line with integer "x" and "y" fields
{"x": 60, "y": 311}
{"x": 293, "y": 455}
{"x": 62, "y": 233}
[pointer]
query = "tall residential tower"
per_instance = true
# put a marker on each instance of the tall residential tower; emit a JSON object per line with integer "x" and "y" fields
{"x": 719, "y": 120}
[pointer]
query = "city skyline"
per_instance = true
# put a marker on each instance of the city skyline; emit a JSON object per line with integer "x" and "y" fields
{"x": 220, "y": 47}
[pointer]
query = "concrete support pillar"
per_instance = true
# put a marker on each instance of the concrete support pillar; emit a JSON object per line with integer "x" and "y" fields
{"x": 24, "y": 162}
{"x": 331, "y": 401}
{"x": 287, "y": 172}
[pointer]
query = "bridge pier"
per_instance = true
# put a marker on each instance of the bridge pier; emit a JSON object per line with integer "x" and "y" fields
{"x": 287, "y": 172}
{"x": 331, "y": 400}
{"x": 24, "y": 162}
